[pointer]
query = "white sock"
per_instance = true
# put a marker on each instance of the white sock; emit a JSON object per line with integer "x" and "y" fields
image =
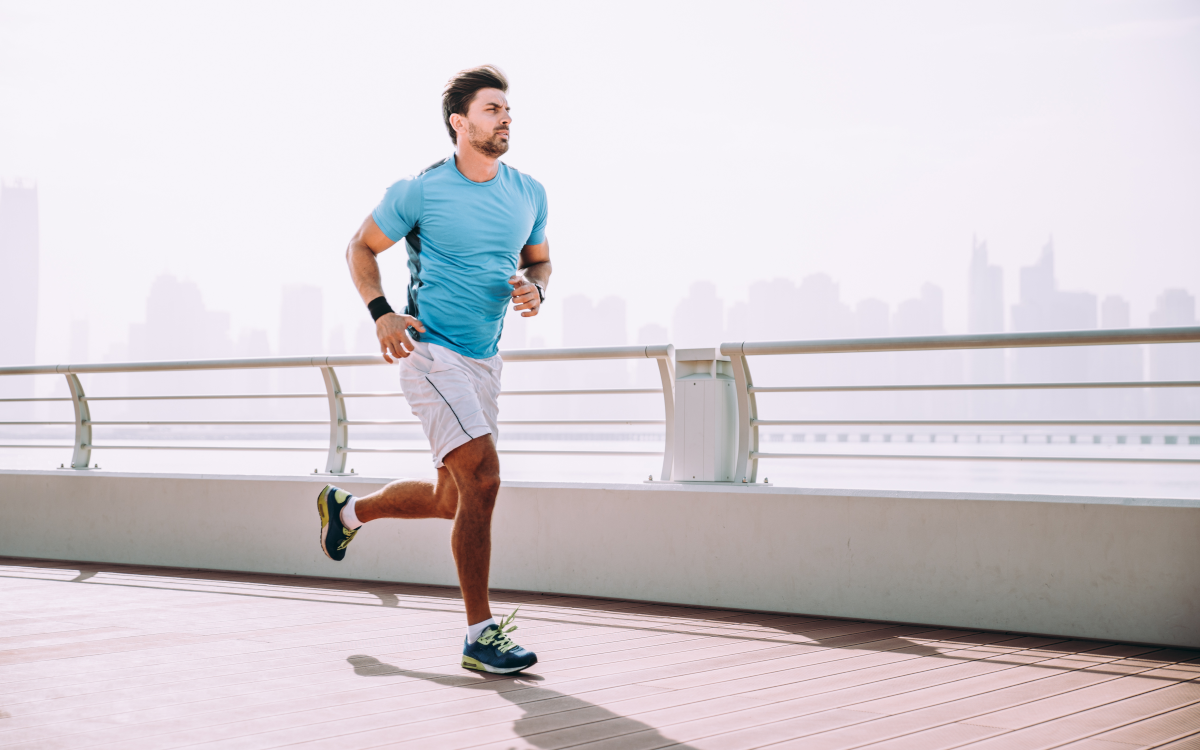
{"x": 476, "y": 630}
{"x": 349, "y": 520}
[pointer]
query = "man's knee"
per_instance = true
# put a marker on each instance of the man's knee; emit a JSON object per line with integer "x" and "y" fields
{"x": 479, "y": 490}
{"x": 488, "y": 484}
{"x": 475, "y": 466}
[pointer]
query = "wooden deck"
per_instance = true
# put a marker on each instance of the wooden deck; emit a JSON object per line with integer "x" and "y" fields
{"x": 122, "y": 657}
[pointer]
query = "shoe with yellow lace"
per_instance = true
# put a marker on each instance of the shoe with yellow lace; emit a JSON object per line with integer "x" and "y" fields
{"x": 335, "y": 537}
{"x": 495, "y": 652}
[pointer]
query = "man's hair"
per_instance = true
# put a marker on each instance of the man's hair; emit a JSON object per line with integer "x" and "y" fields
{"x": 461, "y": 89}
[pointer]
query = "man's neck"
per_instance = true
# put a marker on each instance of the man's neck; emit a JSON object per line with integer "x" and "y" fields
{"x": 473, "y": 165}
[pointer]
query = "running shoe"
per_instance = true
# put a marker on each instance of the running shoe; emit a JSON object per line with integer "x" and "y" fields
{"x": 335, "y": 537}
{"x": 495, "y": 652}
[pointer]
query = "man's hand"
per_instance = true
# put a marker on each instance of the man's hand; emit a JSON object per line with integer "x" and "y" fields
{"x": 525, "y": 296}
{"x": 392, "y": 330}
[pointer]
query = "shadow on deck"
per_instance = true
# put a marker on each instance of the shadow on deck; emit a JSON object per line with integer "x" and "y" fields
{"x": 130, "y": 657}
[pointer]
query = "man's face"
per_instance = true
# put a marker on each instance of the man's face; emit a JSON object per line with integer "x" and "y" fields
{"x": 488, "y": 120}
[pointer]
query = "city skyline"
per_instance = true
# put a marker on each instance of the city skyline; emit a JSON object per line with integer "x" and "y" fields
{"x": 776, "y": 308}
{"x": 873, "y": 160}
{"x": 178, "y": 324}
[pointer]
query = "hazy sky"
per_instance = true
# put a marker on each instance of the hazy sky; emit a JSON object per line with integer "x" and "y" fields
{"x": 240, "y": 144}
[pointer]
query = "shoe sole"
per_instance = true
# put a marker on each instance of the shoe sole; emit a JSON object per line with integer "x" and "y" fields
{"x": 323, "y": 511}
{"x": 478, "y": 666}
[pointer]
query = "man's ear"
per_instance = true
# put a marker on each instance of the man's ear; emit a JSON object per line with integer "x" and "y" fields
{"x": 459, "y": 123}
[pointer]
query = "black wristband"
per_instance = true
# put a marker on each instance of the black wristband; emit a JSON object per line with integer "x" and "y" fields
{"x": 541, "y": 292}
{"x": 379, "y": 307}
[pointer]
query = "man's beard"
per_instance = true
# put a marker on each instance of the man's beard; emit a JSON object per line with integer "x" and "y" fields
{"x": 494, "y": 147}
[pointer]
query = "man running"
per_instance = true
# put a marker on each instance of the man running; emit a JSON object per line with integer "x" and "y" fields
{"x": 476, "y": 235}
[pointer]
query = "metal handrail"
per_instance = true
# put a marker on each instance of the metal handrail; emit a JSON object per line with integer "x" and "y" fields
{"x": 1097, "y": 384}
{"x": 981, "y": 422}
{"x": 1100, "y": 337}
{"x": 746, "y": 469}
{"x": 338, "y": 447}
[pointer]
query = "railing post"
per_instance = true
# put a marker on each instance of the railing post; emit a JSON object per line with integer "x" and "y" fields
{"x": 705, "y": 417}
{"x": 666, "y": 373}
{"x": 82, "y": 455}
{"x": 338, "y": 432}
{"x": 746, "y": 469}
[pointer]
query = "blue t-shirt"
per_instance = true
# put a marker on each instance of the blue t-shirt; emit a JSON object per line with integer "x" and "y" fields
{"x": 464, "y": 240}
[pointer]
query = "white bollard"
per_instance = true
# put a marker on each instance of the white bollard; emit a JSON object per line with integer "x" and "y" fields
{"x": 705, "y": 417}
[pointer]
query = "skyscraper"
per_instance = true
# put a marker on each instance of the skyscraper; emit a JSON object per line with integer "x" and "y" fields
{"x": 924, "y": 316}
{"x": 1043, "y": 307}
{"x": 1175, "y": 307}
{"x": 179, "y": 326}
{"x": 19, "y": 294}
{"x": 699, "y": 318}
{"x": 1118, "y": 363}
{"x": 985, "y": 293}
{"x": 985, "y": 314}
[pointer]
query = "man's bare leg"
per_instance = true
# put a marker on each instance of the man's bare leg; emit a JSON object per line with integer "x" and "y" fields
{"x": 475, "y": 468}
{"x": 465, "y": 492}
{"x": 411, "y": 498}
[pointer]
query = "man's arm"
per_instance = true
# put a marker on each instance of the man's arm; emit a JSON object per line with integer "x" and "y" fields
{"x": 535, "y": 269}
{"x": 392, "y": 328}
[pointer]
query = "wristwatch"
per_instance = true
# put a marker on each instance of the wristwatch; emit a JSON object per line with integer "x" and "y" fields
{"x": 541, "y": 292}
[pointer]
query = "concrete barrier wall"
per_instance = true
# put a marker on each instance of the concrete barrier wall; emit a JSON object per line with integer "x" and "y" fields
{"x": 1121, "y": 569}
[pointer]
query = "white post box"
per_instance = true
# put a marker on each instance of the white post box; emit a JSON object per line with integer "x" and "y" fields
{"x": 705, "y": 417}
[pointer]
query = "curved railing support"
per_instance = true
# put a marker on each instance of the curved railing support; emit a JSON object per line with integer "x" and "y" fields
{"x": 335, "y": 463}
{"x": 666, "y": 372}
{"x": 82, "y": 456}
{"x": 746, "y": 469}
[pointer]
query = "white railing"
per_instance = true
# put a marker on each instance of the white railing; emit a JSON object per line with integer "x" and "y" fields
{"x": 748, "y": 417}
{"x": 339, "y": 436}
{"x": 748, "y": 454}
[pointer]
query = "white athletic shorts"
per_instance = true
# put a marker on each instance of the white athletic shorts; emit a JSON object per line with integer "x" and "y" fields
{"x": 455, "y": 397}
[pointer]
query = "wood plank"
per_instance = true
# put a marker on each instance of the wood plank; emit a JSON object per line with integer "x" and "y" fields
{"x": 1087, "y": 723}
{"x": 1158, "y": 729}
{"x": 139, "y": 656}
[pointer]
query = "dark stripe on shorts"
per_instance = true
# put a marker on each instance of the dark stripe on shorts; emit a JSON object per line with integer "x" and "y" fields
{"x": 460, "y": 424}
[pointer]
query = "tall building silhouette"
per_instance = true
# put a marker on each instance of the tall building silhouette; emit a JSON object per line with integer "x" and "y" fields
{"x": 985, "y": 293}
{"x": 985, "y": 314}
{"x": 737, "y": 322}
{"x": 1044, "y": 307}
{"x": 1119, "y": 363}
{"x": 925, "y": 316}
{"x": 773, "y": 310}
{"x": 1175, "y": 307}
{"x": 872, "y": 319}
{"x": 820, "y": 312}
{"x": 19, "y": 294}
{"x": 922, "y": 316}
{"x": 699, "y": 317}
{"x": 178, "y": 326}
